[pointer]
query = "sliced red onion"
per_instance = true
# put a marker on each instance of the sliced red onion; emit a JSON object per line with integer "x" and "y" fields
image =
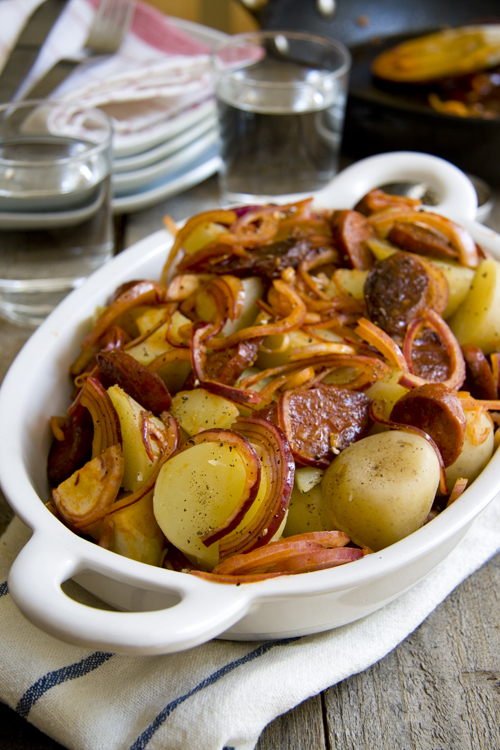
{"x": 169, "y": 445}
{"x": 107, "y": 430}
{"x": 297, "y": 554}
{"x": 279, "y": 467}
{"x": 457, "y": 362}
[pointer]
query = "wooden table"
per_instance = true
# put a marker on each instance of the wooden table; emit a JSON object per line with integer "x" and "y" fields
{"x": 438, "y": 690}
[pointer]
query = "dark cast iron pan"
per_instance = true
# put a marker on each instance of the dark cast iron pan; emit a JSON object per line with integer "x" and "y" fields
{"x": 380, "y": 118}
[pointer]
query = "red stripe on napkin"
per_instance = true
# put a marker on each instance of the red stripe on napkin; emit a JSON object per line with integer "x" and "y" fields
{"x": 150, "y": 25}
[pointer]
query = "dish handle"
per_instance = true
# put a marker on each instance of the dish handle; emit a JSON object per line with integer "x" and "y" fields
{"x": 204, "y": 609}
{"x": 456, "y": 194}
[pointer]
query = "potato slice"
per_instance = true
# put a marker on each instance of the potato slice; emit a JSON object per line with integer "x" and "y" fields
{"x": 134, "y": 532}
{"x": 202, "y": 235}
{"x": 150, "y": 318}
{"x": 459, "y": 280}
{"x": 307, "y": 512}
{"x": 200, "y": 410}
{"x": 197, "y": 490}
{"x": 174, "y": 375}
{"x": 138, "y": 465}
{"x": 349, "y": 281}
{"x": 388, "y": 390}
{"x": 476, "y": 451}
{"x": 477, "y": 320}
{"x": 307, "y": 478}
{"x": 381, "y": 248}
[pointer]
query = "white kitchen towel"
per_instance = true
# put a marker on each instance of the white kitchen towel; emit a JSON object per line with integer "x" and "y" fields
{"x": 159, "y": 72}
{"x": 13, "y": 15}
{"x": 218, "y": 696}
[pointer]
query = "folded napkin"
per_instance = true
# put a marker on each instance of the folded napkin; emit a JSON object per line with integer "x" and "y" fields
{"x": 13, "y": 14}
{"x": 159, "y": 72}
{"x": 218, "y": 696}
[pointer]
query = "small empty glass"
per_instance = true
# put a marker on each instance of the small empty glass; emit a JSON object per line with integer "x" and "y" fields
{"x": 55, "y": 203}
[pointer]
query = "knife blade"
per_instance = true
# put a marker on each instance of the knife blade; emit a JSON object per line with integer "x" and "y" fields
{"x": 51, "y": 80}
{"x": 28, "y": 46}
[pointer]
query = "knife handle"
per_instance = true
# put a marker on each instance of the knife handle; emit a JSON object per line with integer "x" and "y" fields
{"x": 51, "y": 80}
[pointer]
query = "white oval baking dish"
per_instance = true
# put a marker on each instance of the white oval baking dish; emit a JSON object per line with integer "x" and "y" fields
{"x": 164, "y": 611}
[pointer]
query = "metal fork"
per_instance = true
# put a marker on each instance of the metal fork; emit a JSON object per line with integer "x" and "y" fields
{"x": 108, "y": 30}
{"x": 109, "y": 27}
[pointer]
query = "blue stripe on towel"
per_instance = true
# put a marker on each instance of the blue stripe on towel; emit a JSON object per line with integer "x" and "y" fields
{"x": 51, "y": 679}
{"x": 4, "y": 588}
{"x": 144, "y": 738}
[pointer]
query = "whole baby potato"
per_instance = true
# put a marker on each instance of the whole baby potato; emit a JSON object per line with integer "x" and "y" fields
{"x": 381, "y": 488}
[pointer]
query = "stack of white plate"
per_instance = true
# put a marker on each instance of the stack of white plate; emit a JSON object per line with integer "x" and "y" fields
{"x": 182, "y": 155}
{"x": 171, "y": 157}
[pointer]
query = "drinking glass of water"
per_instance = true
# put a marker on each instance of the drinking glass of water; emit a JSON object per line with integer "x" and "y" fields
{"x": 281, "y": 100}
{"x": 55, "y": 203}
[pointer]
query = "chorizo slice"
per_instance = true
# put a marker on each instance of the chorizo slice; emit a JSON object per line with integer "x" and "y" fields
{"x": 429, "y": 358}
{"x": 399, "y": 288}
{"x": 270, "y": 413}
{"x": 321, "y": 422}
{"x": 350, "y": 230}
{"x": 377, "y": 200}
{"x": 146, "y": 387}
{"x": 267, "y": 261}
{"x": 227, "y": 365}
{"x": 74, "y": 450}
{"x": 421, "y": 240}
{"x": 438, "y": 411}
{"x": 479, "y": 376}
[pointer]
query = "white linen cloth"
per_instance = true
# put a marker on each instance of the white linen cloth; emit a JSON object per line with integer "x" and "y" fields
{"x": 158, "y": 73}
{"x": 218, "y": 696}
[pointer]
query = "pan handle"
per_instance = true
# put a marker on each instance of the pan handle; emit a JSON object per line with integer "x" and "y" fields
{"x": 457, "y": 195}
{"x": 201, "y": 611}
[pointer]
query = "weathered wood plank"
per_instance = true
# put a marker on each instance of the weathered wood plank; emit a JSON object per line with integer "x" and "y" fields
{"x": 18, "y": 734}
{"x": 438, "y": 690}
{"x": 300, "y": 729}
{"x": 353, "y": 710}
